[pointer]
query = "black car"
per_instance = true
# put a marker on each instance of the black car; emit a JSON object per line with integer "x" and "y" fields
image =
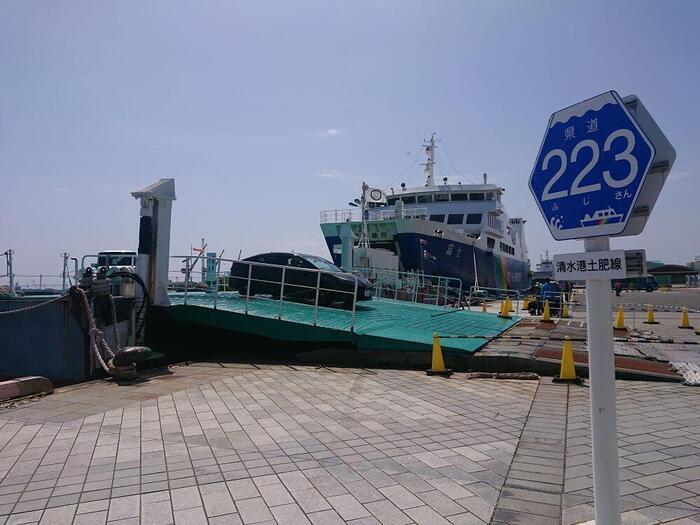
{"x": 301, "y": 277}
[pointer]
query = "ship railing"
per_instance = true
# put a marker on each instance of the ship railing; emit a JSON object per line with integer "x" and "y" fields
{"x": 287, "y": 289}
{"x": 376, "y": 214}
{"x": 415, "y": 287}
{"x": 40, "y": 280}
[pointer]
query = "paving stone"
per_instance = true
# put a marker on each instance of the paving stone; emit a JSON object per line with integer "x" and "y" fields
{"x": 185, "y": 498}
{"x": 191, "y": 516}
{"x": 400, "y": 497}
{"x": 157, "y": 513}
{"x": 387, "y": 513}
{"x": 98, "y": 518}
{"x": 59, "y": 515}
{"x": 289, "y": 514}
{"x": 253, "y": 510}
{"x": 326, "y": 517}
{"x": 348, "y": 507}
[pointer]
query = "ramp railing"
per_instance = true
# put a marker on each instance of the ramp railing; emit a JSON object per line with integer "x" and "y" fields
{"x": 282, "y": 284}
{"x": 414, "y": 287}
{"x": 482, "y": 293}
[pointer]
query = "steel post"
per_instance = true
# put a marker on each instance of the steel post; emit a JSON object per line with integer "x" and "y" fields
{"x": 187, "y": 277}
{"x": 354, "y": 306}
{"x": 216, "y": 286}
{"x": 279, "y": 312}
{"x": 247, "y": 294}
{"x": 318, "y": 289}
{"x": 601, "y": 366}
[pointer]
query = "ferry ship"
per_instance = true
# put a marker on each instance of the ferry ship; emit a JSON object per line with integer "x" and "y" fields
{"x": 451, "y": 230}
{"x": 607, "y": 216}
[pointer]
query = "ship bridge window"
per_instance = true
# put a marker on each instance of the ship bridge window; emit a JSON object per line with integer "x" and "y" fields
{"x": 442, "y": 197}
{"x": 476, "y": 196}
{"x": 409, "y": 200}
{"x": 460, "y": 196}
{"x": 489, "y": 196}
{"x": 425, "y": 198}
{"x": 474, "y": 218}
{"x": 455, "y": 218}
{"x": 490, "y": 243}
{"x": 391, "y": 201}
{"x": 439, "y": 217}
{"x": 506, "y": 248}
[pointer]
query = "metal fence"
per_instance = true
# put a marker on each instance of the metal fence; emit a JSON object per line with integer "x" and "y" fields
{"x": 293, "y": 285}
{"x": 414, "y": 287}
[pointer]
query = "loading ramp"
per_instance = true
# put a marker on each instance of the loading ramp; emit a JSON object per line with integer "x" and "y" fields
{"x": 379, "y": 324}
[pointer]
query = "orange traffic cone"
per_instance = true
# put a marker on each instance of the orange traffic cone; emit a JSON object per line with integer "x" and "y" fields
{"x": 685, "y": 323}
{"x": 650, "y": 316}
{"x": 620, "y": 320}
{"x": 438, "y": 363}
{"x": 567, "y": 371}
{"x": 546, "y": 316}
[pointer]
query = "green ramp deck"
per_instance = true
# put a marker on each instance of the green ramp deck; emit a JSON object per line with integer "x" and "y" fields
{"x": 380, "y": 324}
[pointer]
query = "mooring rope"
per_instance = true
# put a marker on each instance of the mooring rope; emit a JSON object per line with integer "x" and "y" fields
{"x": 97, "y": 336}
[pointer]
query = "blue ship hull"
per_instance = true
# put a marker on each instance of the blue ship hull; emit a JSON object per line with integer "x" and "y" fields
{"x": 448, "y": 258}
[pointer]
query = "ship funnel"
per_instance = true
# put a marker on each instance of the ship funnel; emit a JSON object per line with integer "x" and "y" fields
{"x": 486, "y": 178}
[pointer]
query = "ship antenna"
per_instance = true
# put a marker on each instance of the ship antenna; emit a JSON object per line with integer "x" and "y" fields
{"x": 430, "y": 161}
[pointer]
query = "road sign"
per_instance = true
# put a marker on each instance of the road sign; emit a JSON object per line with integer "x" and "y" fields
{"x": 591, "y": 168}
{"x": 590, "y": 265}
{"x": 601, "y": 166}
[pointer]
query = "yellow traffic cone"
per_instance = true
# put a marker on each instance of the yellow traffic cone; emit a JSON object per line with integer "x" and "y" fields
{"x": 510, "y": 305}
{"x": 564, "y": 311}
{"x": 620, "y": 320}
{"x": 526, "y": 302}
{"x": 650, "y": 316}
{"x": 567, "y": 372}
{"x": 438, "y": 364}
{"x": 483, "y": 305}
{"x": 504, "y": 310}
{"x": 546, "y": 316}
{"x": 573, "y": 296}
{"x": 685, "y": 323}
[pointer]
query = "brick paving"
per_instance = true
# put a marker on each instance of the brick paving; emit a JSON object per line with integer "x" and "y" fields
{"x": 216, "y": 443}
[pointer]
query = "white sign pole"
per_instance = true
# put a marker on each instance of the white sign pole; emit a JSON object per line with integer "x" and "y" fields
{"x": 601, "y": 367}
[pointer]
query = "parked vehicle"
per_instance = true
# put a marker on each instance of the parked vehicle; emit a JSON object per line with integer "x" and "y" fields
{"x": 300, "y": 278}
{"x": 648, "y": 283}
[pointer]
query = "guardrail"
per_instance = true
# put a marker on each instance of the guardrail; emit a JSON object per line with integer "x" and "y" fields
{"x": 415, "y": 287}
{"x": 292, "y": 283}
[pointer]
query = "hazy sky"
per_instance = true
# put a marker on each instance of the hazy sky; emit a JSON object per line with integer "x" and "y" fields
{"x": 265, "y": 113}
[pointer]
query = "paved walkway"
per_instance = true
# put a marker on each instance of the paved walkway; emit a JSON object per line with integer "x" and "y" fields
{"x": 215, "y": 443}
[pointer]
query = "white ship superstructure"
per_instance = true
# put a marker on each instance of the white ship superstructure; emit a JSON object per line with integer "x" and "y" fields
{"x": 456, "y": 230}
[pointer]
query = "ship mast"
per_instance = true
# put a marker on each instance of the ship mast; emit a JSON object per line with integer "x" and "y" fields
{"x": 429, "y": 146}
{"x": 364, "y": 238}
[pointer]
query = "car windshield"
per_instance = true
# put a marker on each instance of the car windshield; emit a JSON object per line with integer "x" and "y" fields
{"x": 322, "y": 264}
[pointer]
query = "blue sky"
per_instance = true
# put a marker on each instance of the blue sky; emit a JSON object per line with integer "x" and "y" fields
{"x": 266, "y": 113}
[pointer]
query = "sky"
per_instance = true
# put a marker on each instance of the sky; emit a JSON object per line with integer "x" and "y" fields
{"x": 266, "y": 113}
